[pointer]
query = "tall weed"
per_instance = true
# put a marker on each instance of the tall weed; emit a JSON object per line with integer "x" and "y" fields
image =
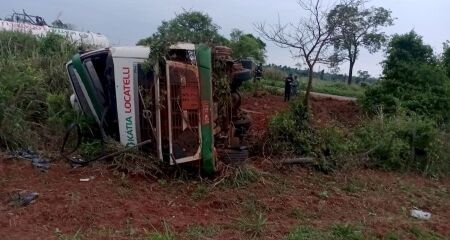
{"x": 33, "y": 87}
{"x": 400, "y": 142}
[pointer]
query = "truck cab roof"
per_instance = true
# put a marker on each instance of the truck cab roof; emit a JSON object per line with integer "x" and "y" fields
{"x": 136, "y": 51}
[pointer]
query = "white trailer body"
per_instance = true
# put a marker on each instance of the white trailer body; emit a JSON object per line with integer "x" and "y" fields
{"x": 88, "y": 38}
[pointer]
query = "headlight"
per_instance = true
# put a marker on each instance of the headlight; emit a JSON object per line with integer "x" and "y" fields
{"x": 74, "y": 103}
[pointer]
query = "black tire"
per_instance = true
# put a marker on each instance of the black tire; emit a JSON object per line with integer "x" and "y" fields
{"x": 233, "y": 156}
{"x": 245, "y": 121}
{"x": 247, "y": 64}
{"x": 243, "y": 75}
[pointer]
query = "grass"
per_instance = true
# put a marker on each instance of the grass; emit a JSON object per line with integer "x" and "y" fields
{"x": 243, "y": 176}
{"x": 276, "y": 87}
{"x": 128, "y": 229}
{"x": 122, "y": 185}
{"x": 253, "y": 220}
{"x": 335, "y": 88}
{"x": 355, "y": 186}
{"x": 419, "y": 233}
{"x": 78, "y": 235}
{"x": 297, "y": 213}
{"x": 337, "y": 232}
{"x": 201, "y": 232}
{"x": 352, "y": 232}
{"x": 167, "y": 234}
{"x": 199, "y": 192}
{"x": 252, "y": 224}
{"x": 346, "y": 232}
{"x": 34, "y": 96}
{"x": 306, "y": 233}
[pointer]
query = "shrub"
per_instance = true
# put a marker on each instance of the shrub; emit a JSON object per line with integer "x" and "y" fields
{"x": 274, "y": 74}
{"x": 422, "y": 88}
{"x": 33, "y": 87}
{"x": 412, "y": 80}
{"x": 400, "y": 142}
{"x": 405, "y": 142}
{"x": 289, "y": 131}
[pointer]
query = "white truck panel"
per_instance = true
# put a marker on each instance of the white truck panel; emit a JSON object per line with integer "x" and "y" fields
{"x": 89, "y": 38}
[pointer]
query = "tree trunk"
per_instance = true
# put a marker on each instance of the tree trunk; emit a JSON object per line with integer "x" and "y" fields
{"x": 350, "y": 73}
{"x": 309, "y": 86}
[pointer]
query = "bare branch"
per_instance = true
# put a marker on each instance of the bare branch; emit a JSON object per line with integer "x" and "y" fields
{"x": 307, "y": 40}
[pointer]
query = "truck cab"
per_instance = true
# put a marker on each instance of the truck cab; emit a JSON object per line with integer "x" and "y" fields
{"x": 174, "y": 109}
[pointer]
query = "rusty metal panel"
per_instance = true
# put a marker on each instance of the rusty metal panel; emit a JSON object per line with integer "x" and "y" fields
{"x": 187, "y": 76}
{"x": 184, "y": 110}
{"x": 190, "y": 97}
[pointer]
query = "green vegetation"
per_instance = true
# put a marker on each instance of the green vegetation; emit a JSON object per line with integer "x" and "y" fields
{"x": 290, "y": 132}
{"x": 305, "y": 233}
{"x": 78, "y": 235}
{"x": 355, "y": 27}
{"x": 34, "y": 91}
{"x": 413, "y": 80}
{"x": 247, "y": 45}
{"x": 167, "y": 234}
{"x": 335, "y": 88}
{"x": 362, "y": 78}
{"x": 252, "y": 224}
{"x": 91, "y": 149}
{"x": 252, "y": 221}
{"x": 400, "y": 142}
{"x": 408, "y": 131}
{"x": 414, "y": 93}
{"x": 404, "y": 143}
{"x": 446, "y": 58}
{"x": 419, "y": 233}
{"x": 199, "y": 192}
{"x": 276, "y": 86}
{"x": 201, "y": 232}
{"x": 337, "y": 232}
{"x": 197, "y": 27}
{"x": 242, "y": 176}
{"x": 189, "y": 26}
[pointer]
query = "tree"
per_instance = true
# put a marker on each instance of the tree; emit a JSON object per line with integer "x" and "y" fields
{"x": 446, "y": 58}
{"x": 412, "y": 80}
{"x": 406, "y": 49}
{"x": 363, "y": 75}
{"x": 307, "y": 39}
{"x": 247, "y": 45}
{"x": 190, "y": 26}
{"x": 357, "y": 27}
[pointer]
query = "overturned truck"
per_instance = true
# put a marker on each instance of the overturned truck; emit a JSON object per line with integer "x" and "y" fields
{"x": 186, "y": 107}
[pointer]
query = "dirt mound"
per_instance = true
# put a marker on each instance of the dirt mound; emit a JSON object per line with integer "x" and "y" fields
{"x": 262, "y": 109}
{"x": 325, "y": 111}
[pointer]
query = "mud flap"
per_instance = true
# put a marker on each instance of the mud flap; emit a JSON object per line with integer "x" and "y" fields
{"x": 203, "y": 53}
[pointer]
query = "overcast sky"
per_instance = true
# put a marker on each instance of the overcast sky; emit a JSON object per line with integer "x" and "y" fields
{"x": 125, "y": 22}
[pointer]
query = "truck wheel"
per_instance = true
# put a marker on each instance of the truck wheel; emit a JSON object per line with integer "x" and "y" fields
{"x": 247, "y": 64}
{"x": 243, "y": 75}
{"x": 233, "y": 156}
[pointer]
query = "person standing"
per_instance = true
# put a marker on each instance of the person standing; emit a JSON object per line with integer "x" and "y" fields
{"x": 287, "y": 87}
{"x": 295, "y": 84}
{"x": 259, "y": 72}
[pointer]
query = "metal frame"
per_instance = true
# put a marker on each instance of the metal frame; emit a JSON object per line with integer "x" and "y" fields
{"x": 197, "y": 155}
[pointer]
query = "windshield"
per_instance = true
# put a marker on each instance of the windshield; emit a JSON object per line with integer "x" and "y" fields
{"x": 94, "y": 87}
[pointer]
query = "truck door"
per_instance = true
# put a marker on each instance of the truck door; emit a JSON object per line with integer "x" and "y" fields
{"x": 183, "y": 93}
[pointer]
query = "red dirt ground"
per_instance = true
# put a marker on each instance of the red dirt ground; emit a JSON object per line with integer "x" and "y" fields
{"x": 325, "y": 110}
{"x": 118, "y": 206}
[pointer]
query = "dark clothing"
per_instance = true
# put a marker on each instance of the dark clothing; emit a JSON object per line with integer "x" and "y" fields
{"x": 287, "y": 88}
{"x": 294, "y": 87}
{"x": 258, "y": 73}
